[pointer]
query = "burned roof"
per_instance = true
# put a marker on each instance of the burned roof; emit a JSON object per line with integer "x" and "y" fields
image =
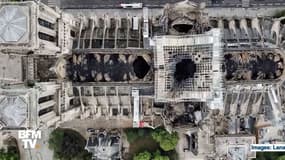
{"x": 108, "y": 67}
{"x": 253, "y": 65}
{"x": 187, "y": 67}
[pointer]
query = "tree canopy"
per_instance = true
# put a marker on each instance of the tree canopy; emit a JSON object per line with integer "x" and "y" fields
{"x": 9, "y": 155}
{"x": 166, "y": 140}
{"x": 133, "y": 133}
{"x": 270, "y": 156}
{"x": 279, "y": 14}
{"x": 68, "y": 145}
{"x": 143, "y": 156}
{"x": 148, "y": 156}
{"x": 158, "y": 156}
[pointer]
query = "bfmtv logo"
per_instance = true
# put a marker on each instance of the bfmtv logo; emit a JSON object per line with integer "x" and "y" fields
{"x": 29, "y": 138}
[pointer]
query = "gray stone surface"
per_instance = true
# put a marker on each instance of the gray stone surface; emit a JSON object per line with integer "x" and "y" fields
{"x": 10, "y": 68}
{"x": 87, "y": 4}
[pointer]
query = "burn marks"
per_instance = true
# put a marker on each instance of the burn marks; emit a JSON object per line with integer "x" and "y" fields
{"x": 141, "y": 67}
{"x": 184, "y": 69}
{"x": 253, "y": 66}
{"x": 107, "y": 67}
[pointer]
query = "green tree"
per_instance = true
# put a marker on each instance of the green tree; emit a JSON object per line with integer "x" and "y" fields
{"x": 8, "y": 155}
{"x": 166, "y": 140}
{"x": 68, "y": 145}
{"x": 131, "y": 135}
{"x": 55, "y": 139}
{"x": 279, "y": 14}
{"x": 158, "y": 156}
{"x": 143, "y": 156}
{"x": 141, "y": 133}
{"x": 281, "y": 158}
{"x": 269, "y": 155}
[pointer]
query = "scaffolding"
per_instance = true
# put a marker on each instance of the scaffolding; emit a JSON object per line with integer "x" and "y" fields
{"x": 205, "y": 51}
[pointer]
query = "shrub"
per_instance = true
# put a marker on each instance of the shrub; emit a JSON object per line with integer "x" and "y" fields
{"x": 166, "y": 140}
{"x": 68, "y": 144}
{"x": 143, "y": 156}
